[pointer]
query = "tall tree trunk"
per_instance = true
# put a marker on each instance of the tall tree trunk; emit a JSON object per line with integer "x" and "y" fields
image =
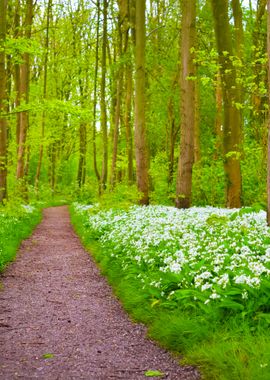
{"x": 103, "y": 110}
{"x": 3, "y": 122}
{"x": 82, "y": 136}
{"x": 119, "y": 90}
{"x": 140, "y": 133}
{"x": 239, "y": 39}
{"x": 95, "y": 96}
{"x": 238, "y": 27}
{"x": 268, "y": 145}
{"x": 258, "y": 114}
{"x": 126, "y": 15}
{"x": 49, "y": 8}
{"x": 82, "y": 156}
{"x": 17, "y": 26}
{"x": 24, "y": 97}
{"x": 231, "y": 97}
{"x": 52, "y": 167}
{"x": 116, "y": 129}
{"x": 186, "y": 157}
{"x": 127, "y": 120}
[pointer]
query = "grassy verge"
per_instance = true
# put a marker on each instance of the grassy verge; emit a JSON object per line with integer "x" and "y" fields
{"x": 227, "y": 339}
{"x": 16, "y": 224}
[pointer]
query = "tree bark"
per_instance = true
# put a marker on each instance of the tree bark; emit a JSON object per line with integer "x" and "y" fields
{"x": 24, "y": 97}
{"x": 141, "y": 150}
{"x": 127, "y": 120}
{"x": 128, "y": 93}
{"x": 95, "y": 97}
{"x": 119, "y": 91}
{"x": 116, "y": 129}
{"x": 3, "y": 100}
{"x": 82, "y": 156}
{"x": 186, "y": 157}
{"x": 103, "y": 109}
{"x": 238, "y": 27}
{"x": 49, "y": 9}
{"x": 258, "y": 114}
{"x": 231, "y": 97}
{"x": 17, "y": 22}
{"x": 268, "y": 144}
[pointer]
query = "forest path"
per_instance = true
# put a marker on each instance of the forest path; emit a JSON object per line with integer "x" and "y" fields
{"x": 60, "y": 320}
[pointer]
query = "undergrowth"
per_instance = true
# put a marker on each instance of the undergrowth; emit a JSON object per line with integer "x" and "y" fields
{"x": 225, "y": 344}
{"x": 16, "y": 223}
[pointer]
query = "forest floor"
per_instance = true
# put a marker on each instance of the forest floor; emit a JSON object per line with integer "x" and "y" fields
{"x": 60, "y": 320}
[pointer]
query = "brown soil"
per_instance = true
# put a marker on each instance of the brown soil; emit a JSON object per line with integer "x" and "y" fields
{"x": 60, "y": 320}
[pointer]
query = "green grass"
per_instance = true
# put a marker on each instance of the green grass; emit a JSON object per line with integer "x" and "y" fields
{"x": 15, "y": 225}
{"x": 224, "y": 345}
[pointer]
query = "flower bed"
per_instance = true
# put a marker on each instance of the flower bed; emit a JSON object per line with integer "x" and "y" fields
{"x": 199, "y": 257}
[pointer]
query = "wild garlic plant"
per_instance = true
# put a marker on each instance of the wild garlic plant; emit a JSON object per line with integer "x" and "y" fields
{"x": 196, "y": 257}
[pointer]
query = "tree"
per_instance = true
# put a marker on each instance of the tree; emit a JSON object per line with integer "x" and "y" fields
{"x": 268, "y": 149}
{"x": 3, "y": 122}
{"x": 186, "y": 157}
{"x": 258, "y": 113}
{"x": 231, "y": 103}
{"x": 95, "y": 96}
{"x": 127, "y": 21}
{"x": 118, "y": 78}
{"x": 24, "y": 97}
{"x": 103, "y": 110}
{"x": 48, "y": 17}
{"x": 140, "y": 133}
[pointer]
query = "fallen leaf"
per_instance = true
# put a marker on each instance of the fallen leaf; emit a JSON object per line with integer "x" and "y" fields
{"x": 154, "y": 373}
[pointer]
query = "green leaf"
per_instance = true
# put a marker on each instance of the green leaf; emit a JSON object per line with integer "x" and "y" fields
{"x": 228, "y": 304}
{"x": 265, "y": 316}
{"x": 154, "y": 373}
{"x": 47, "y": 356}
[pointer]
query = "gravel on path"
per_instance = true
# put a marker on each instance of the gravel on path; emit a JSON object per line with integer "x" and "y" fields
{"x": 60, "y": 320}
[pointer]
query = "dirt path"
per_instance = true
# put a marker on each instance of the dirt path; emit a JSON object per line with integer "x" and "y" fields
{"x": 59, "y": 319}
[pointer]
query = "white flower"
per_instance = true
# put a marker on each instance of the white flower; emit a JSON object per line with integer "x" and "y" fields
{"x": 214, "y": 296}
{"x": 223, "y": 280}
{"x": 175, "y": 267}
{"x": 245, "y": 295}
{"x": 206, "y": 286}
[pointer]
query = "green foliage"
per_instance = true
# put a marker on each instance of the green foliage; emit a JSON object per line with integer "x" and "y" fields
{"x": 161, "y": 193}
{"x": 153, "y": 373}
{"x": 16, "y": 223}
{"x": 226, "y": 340}
{"x": 122, "y": 196}
{"x": 48, "y": 356}
{"x": 254, "y": 175}
{"x": 208, "y": 183}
